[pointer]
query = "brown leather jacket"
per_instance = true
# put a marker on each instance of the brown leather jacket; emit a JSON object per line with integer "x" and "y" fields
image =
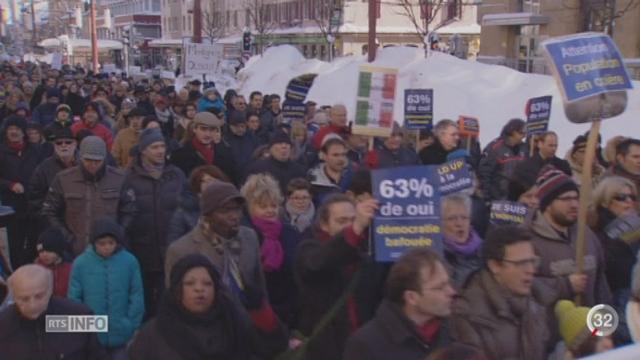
{"x": 505, "y": 327}
{"x": 75, "y": 199}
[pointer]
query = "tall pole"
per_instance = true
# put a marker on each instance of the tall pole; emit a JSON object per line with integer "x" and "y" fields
{"x": 34, "y": 37}
{"x": 94, "y": 36}
{"x": 372, "y": 29}
{"x": 197, "y": 22}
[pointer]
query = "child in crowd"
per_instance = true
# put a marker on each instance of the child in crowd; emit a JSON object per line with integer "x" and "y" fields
{"x": 51, "y": 247}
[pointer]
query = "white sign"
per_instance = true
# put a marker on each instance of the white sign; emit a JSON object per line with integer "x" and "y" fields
{"x": 56, "y": 61}
{"x": 202, "y": 59}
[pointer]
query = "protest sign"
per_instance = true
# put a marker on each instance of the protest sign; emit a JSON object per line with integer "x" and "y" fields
{"x": 56, "y": 61}
{"x": 375, "y": 100}
{"x": 507, "y": 213}
{"x": 586, "y": 64}
{"x": 626, "y": 228}
{"x": 409, "y": 215}
{"x": 201, "y": 59}
{"x": 538, "y": 111}
{"x": 468, "y": 126}
{"x": 293, "y": 110}
{"x": 454, "y": 176}
{"x": 418, "y": 109}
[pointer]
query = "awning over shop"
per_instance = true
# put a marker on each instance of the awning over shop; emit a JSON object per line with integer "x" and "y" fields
{"x": 81, "y": 44}
{"x": 514, "y": 19}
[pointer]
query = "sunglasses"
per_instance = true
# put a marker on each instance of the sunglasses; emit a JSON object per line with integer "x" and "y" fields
{"x": 625, "y": 197}
{"x": 64, "y": 142}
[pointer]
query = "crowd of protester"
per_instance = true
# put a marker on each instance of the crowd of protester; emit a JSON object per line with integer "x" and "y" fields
{"x": 210, "y": 226}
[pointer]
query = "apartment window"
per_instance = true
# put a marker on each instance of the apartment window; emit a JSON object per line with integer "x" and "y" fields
{"x": 454, "y": 9}
{"x": 156, "y": 6}
{"x": 235, "y": 18}
{"x": 184, "y": 23}
{"x": 530, "y": 6}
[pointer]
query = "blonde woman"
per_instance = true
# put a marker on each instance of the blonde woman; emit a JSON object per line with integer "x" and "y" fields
{"x": 615, "y": 198}
{"x": 278, "y": 242}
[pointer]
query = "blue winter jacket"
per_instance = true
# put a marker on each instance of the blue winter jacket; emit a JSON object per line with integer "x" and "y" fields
{"x": 112, "y": 287}
{"x": 205, "y": 104}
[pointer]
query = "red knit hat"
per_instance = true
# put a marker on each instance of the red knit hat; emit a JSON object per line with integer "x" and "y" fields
{"x": 552, "y": 183}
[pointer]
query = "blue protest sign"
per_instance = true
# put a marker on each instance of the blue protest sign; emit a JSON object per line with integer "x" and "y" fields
{"x": 507, "y": 213}
{"x": 538, "y": 112}
{"x": 454, "y": 176}
{"x": 418, "y": 109}
{"x": 293, "y": 110}
{"x": 586, "y": 65}
{"x": 409, "y": 215}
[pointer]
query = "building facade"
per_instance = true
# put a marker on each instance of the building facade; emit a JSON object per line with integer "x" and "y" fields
{"x": 512, "y": 30}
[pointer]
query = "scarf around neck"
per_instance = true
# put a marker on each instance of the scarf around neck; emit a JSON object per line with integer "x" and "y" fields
{"x": 206, "y": 151}
{"x": 271, "y": 250}
{"x": 301, "y": 220}
{"x": 163, "y": 116}
{"x": 468, "y": 248}
{"x": 155, "y": 170}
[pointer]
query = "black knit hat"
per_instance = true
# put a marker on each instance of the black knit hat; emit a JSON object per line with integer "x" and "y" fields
{"x": 279, "y": 137}
{"x": 237, "y": 117}
{"x": 551, "y": 184}
{"x": 53, "y": 240}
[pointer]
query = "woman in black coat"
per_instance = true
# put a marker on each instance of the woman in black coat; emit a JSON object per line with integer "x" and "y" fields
{"x": 198, "y": 320}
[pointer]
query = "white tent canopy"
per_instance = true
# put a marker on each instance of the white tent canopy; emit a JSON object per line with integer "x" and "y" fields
{"x": 81, "y": 43}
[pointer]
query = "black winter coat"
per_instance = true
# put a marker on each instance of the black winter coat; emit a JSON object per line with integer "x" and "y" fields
{"x": 434, "y": 154}
{"x": 76, "y": 103}
{"x": 391, "y": 335}
{"x": 22, "y": 339}
{"x": 281, "y": 171}
{"x": 147, "y": 222}
{"x": 17, "y": 167}
{"x": 323, "y": 270}
{"x": 536, "y": 163}
{"x": 187, "y": 159}
{"x": 185, "y": 218}
{"x": 242, "y": 148}
{"x": 41, "y": 180}
{"x": 496, "y": 166}
{"x": 402, "y": 157}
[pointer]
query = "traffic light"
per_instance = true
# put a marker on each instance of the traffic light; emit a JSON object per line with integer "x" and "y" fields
{"x": 246, "y": 41}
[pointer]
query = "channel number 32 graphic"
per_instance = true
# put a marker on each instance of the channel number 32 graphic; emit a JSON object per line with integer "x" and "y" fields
{"x": 602, "y": 320}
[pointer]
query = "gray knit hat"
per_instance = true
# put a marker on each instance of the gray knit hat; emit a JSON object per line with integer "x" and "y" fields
{"x": 148, "y": 137}
{"x": 93, "y": 148}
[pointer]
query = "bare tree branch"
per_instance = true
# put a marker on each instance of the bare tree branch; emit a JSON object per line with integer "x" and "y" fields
{"x": 260, "y": 19}
{"x": 213, "y": 25}
{"x": 411, "y": 9}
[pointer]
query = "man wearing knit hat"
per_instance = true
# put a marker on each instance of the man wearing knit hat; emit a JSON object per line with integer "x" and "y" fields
{"x": 231, "y": 247}
{"x": 83, "y": 193}
{"x": 18, "y": 161}
{"x": 203, "y": 150}
{"x": 279, "y": 163}
{"x": 242, "y": 142}
{"x": 152, "y": 187}
{"x": 555, "y": 231}
{"x": 62, "y": 120}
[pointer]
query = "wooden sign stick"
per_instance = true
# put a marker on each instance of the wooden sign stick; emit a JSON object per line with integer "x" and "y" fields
{"x": 585, "y": 196}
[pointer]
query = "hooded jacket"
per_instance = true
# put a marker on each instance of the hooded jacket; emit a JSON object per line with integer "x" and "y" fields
{"x": 322, "y": 185}
{"x": 557, "y": 261}
{"x": 205, "y": 104}
{"x": 109, "y": 286}
{"x": 98, "y": 130}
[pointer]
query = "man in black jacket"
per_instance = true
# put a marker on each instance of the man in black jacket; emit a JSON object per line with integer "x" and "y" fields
{"x": 202, "y": 150}
{"x": 18, "y": 161}
{"x": 410, "y": 323}
{"x": 64, "y": 157}
{"x": 279, "y": 163}
{"x": 153, "y": 188}
{"x": 324, "y": 267}
{"x": 23, "y": 334}
{"x": 545, "y": 154}
{"x": 446, "y": 141}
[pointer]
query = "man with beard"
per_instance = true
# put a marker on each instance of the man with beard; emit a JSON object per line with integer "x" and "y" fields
{"x": 153, "y": 187}
{"x": 555, "y": 234}
{"x": 64, "y": 157}
{"x": 18, "y": 161}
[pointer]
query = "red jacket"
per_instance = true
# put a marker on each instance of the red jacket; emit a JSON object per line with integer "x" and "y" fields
{"x": 61, "y": 274}
{"x": 98, "y": 130}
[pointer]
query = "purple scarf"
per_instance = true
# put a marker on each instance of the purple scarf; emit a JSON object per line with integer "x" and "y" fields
{"x": 468, "y": 248}
{"x": 271, "y": 249}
